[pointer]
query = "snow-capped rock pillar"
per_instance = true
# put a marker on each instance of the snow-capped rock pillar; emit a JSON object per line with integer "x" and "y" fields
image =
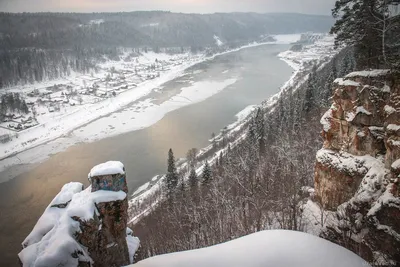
{"x": 109, "y": 176}
{"x": 105, "y": 237}
{"x": 85, "y": 227}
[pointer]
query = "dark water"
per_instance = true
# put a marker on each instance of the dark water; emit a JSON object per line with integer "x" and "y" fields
{"x": 144, "y": 152}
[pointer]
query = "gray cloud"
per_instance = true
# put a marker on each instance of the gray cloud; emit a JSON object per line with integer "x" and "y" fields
{"x": 187, "y": 6}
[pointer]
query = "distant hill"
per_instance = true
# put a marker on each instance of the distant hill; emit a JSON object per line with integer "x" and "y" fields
{"x": 45, "y": 46}
{"x": 153, "y": 29}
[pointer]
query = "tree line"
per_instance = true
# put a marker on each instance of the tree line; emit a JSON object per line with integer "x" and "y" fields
{"x": 138, "y": 29}
{"x": 35, "y": 65}
{"x": 12, "y": 102}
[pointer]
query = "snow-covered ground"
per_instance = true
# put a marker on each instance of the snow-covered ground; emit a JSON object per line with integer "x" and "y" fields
{"x": 54, "y": 124}
{"x": 146, "y": 113}
{"x": 319, "y": 52}
{"x": 274, "y": 248}
{"x": 57, "y": 129}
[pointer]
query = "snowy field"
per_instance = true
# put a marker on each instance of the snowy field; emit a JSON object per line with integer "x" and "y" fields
{"x": 91, "y": 114}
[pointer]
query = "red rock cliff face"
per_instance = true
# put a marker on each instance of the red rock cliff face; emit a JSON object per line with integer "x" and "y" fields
{"x": 357, "y": 170}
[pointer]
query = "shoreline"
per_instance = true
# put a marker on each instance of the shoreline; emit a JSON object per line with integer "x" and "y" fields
{"x": 147, "y": 196}
{"x": 65, "y": 138}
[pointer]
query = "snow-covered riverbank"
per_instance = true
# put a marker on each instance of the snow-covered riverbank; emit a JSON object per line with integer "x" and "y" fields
{"x": 55, "y": 135}
{"x": 146, "y": 197}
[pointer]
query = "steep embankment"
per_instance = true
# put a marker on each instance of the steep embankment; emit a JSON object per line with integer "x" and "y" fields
{"x": 357, "y": 171}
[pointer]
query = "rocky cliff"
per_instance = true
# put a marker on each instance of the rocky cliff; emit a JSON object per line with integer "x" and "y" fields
{"x": 85, "y": 227}
{"x": 358, "y": 169}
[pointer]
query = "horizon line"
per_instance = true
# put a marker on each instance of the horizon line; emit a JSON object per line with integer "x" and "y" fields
{"x": 161, "y": 11}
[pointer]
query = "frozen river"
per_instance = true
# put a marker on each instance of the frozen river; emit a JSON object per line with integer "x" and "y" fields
{"x": 202, "y": 101}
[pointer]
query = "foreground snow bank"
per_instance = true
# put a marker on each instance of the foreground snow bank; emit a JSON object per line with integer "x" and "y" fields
{"x": 277, "y": 248}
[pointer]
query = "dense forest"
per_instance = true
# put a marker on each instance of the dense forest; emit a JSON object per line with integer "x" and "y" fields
{"x": 45, "y": 46}
{"x": 372, "y": 27}
{"x": 12, "y": 102}
{"x": 137, "y": 29}
{"x": 254, "y": 186}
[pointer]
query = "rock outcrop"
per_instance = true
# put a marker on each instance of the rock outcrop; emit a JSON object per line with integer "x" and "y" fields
{"x": 85, "y": 227}
{"x": 358, "y": 170}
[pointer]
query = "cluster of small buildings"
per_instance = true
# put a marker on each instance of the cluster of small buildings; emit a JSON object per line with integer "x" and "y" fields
{"x": 17, "y": 122}
{"x": 113, "y": 79}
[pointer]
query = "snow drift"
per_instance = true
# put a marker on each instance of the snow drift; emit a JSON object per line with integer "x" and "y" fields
{"x": 274, "y": 248}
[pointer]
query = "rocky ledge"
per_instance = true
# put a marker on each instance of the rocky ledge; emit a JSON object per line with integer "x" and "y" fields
{"x": 85, "y": 227}
{"x": 357, "y": 172}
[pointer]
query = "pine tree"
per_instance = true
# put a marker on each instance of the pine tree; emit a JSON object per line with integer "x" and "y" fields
{"x": 221, "y": 159}
{"x": 309, "y": 100}
{"x": 172, "y": 175}
{"x": 260, "y": 131}
{"x": 193, "y": 178}
{"x": 182, "y": 184}
{"x": 224, "y": 134}
{"x": 206, "y": 173}
{"x": 24, "y": 107}
{"x": 327, "y": 93}
{"x": 191, "y": 156}
{"x": 370, "y": 28}
{"x": 213, "y": 141}
{"x": 253, "y": 131}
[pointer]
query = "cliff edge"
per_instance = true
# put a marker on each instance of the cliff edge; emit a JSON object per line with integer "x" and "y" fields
{"x": 358, "y": 169}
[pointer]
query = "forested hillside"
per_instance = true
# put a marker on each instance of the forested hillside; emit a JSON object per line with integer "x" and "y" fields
{"x": 137, "y": 29}
{"x": 256, "y": 185}
{"x": 45, "y": 46}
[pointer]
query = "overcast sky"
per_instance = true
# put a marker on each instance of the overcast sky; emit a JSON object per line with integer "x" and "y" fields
{"x": 187, "y": 6}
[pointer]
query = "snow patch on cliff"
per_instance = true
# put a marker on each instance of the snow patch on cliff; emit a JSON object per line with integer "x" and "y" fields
{"x": 133, "y": 244}
{"x": 393, "y": 127}
{"x": 361, "y": 109}
{"x": 83, "y": 205}
{"x": 107, "y": 168}
{"x": 343, "y": 82}
{"x": 368, "y": 73}
{"x": 389, "y": 109}
{"x": 325, "y": 120}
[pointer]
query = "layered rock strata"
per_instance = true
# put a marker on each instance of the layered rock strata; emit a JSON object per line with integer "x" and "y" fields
{"x": 358, "y": 169}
